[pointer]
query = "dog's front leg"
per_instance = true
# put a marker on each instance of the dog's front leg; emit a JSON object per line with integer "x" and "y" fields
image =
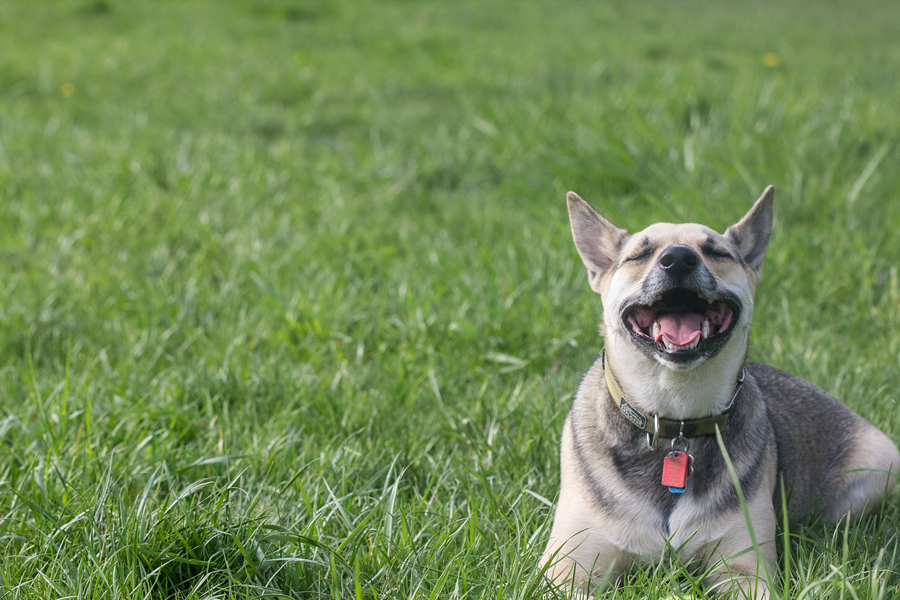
{"x": 584, "y": 562}
{"x": 578, "y": 553}
{"x": 580, "y": 550}
{"x": 740, "y": 572}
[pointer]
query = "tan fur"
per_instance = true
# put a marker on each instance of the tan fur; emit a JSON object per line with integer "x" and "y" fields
{"x": 871, "y": 471}
{"x": 738, "y": 567}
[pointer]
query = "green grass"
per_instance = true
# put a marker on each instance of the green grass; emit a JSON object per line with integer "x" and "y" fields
{"x": 289, "y": 303}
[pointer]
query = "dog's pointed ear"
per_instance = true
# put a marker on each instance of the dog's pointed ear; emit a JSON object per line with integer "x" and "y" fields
{"x": 751, "y": 234}
{"x": 598, "y": 241}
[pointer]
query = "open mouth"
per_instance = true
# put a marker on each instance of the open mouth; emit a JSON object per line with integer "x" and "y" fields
{"x": 682, "y": 324}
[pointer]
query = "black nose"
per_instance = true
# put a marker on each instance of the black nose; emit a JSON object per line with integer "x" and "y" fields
{"x": 679, "y": 261}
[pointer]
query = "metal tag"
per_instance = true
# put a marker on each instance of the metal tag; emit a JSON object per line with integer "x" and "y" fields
{"x": 676, "y": 468}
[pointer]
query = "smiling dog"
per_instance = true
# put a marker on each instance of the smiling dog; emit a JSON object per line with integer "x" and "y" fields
{"x": 641, "y": 469}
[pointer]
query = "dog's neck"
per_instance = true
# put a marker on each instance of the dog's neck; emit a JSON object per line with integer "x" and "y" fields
{"x": 702, "y": 391}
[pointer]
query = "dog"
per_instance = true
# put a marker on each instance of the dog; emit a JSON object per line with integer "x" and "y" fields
{"x": 641, "y": 468}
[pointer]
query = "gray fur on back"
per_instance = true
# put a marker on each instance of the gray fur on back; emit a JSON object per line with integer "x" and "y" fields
{"x": 811, "y": 433}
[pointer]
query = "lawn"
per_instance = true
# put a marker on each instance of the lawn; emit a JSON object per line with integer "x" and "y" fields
{"x": 290, "y": 307}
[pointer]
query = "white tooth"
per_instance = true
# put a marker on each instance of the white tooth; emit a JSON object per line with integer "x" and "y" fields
{"x": 705, "y": 329}
{"x": 669, "y": 345}
{"x": 655, "y": 330}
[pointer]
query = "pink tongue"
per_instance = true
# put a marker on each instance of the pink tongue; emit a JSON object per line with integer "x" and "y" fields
{"x": 679, "y": 328}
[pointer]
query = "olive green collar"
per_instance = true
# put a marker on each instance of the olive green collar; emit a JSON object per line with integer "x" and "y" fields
{"x": 657, "y": 426}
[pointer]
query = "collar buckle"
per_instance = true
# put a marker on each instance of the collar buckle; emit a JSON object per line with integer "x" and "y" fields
{"x": 651, "y": 444}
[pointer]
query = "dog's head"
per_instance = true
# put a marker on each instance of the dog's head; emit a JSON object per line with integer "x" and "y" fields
{"x": 680, "y": 295}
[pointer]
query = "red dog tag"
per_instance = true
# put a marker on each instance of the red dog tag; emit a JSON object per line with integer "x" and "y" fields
{"x": 675, "y": 471}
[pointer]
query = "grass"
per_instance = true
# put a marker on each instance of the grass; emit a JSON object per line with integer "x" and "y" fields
{"x": 290, "y": 305}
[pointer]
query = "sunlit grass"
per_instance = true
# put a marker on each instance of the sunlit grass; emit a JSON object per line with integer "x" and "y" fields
{"x": 290, "y": 306}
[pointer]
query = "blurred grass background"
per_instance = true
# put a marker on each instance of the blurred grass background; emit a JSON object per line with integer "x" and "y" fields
{"x": 290, "y": 306}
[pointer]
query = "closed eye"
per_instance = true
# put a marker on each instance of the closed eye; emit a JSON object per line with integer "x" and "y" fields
{"x": 643, "y": 254}
{"x": 715, "y": 252}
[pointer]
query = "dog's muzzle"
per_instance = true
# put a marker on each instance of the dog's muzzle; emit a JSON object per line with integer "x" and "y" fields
{"x": 682, "y": 324}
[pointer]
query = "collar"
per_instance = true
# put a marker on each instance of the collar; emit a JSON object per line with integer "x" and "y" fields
{"x": 657, "y": 426}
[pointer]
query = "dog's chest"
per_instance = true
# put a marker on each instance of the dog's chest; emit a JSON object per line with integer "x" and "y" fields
{"x": 622, "y": 477}
{"x": 638, "y": 511}
{"x": 685, "y": 522}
